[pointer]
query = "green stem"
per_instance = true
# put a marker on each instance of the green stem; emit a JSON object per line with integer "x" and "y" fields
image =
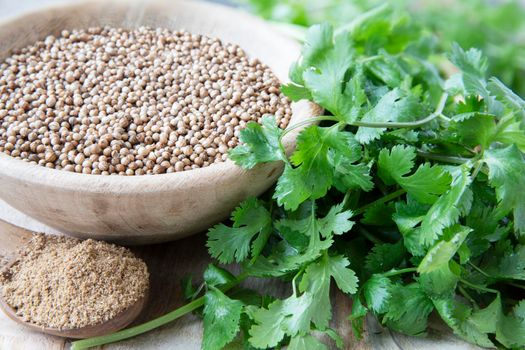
{"x": 370, "y": 236}
{"x": 468, "y": 297}
{"x": 148, "y": 326}
{"x": 516, "y": 285}
{"x": 442, "y": 158}
{"x": 399, "y": 272}
{"x": 299, "y": 125}
{"x": 480, "y": 288}
{"x": 381, "y": 200}
{"x": 437, "y": 113}
{"x": 477, "y": 169}
{"x": 479, "y": 270}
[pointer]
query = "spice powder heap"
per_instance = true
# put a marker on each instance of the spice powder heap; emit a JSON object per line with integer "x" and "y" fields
{"x": 66, "y": 283}
{"x": 113, "y": 101}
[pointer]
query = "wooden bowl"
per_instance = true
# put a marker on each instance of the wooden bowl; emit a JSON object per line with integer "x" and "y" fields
{"x": 154, "y": 208}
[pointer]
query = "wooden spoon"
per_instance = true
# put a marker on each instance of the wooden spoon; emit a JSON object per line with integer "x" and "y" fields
{"x": 12, "y": 238}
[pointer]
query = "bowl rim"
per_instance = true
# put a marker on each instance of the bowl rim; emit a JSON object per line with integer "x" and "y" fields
{"x": 88, "y": 183}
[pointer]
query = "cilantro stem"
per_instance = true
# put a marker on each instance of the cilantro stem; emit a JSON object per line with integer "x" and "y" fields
{"x": 468, "y": 297}
{"x": 477, "y": 169}
{"x": 516, "y": 285}
{"x": 381, "y": 200}
{"x": 369, "y": 236}
{"x": 150, "y": 325}
{"x": 438, "y": 112}
{"x": 442, "y": 158}
{"x": 299, "y": 125}
{"x": 477, "y": 287}
{"x": 478, "y": 269}
{"x": 307, "y": 122}
{"x": 399, "y": 272}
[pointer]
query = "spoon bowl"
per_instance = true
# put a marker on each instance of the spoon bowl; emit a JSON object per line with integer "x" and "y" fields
{"x": 12, "y": 239}
{"x": 150, "y": 208}
{"x": 115, "y": 324}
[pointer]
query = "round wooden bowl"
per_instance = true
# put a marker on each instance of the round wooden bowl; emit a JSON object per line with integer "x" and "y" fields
{"x": 154, "y": 208}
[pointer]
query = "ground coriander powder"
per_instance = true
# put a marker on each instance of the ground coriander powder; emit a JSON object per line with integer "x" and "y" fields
{"x": 66, "y": 283}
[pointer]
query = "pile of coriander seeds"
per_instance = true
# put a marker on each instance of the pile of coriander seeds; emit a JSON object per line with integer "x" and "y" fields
{"x": 132, "y": 102}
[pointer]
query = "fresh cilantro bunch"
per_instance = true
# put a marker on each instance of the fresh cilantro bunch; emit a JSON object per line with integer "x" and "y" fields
{"x": 407, "y": 195}
{"x": 423, "y": 172}
{"x": 495, "y": 27}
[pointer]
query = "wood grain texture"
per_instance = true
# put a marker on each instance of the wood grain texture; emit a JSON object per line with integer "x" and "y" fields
{"x": 144, "y": 209}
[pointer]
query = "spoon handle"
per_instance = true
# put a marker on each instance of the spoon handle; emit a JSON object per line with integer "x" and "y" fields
{"x": 12, "y": 238}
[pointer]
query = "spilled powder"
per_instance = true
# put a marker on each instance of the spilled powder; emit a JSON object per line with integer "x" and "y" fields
{"x": 66, "y": 283}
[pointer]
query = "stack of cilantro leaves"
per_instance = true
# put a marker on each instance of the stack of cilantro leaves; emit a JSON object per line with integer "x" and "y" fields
{"x": 408, "y": 195}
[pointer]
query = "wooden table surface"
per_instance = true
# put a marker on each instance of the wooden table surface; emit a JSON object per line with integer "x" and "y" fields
{"x": 168, "y": 264}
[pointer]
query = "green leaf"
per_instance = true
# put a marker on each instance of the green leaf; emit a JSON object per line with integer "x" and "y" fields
{"x": 291, "y": 316}
{"x": 316, "y": 281}
{"x": 229, "y": 244}
{"x": 458, "y": 316}
{"x": 260, "y": 144}
{"x": 385, "y": 257}
{"x": 351, "y": 176}
{"x": 510, "y": 131}
{"x": 439, "y": 283}
{"x": 408, "y": 309}
{"x": 314, "y": 172}
{"x": 424, "y": 185}
{"x": 505, "y": 95}
{"x": 296, "y": 92}
{"x": 326, "y": 80}
{"x": 511, "y": 328}
{"x": 443, "y": 251}
{"x": 336, "y": 221}
{"x": 506, "y": 262}
{"x": 306, "y": 342}
{"x": 448, "y": 208}
{"x": 221, "y": 319}
{"x": 393, "y": 164}
{"x": 379, "y": 215}
{"x": 506, "y": 169}
{"x": 215, "y": 276}
{"x": 479, "y": 129}
{"x": 377, "y": 293}
{"x": 471, "y": 61}
{"x": 357, "y": 316}
{"x": 393, "y": 106}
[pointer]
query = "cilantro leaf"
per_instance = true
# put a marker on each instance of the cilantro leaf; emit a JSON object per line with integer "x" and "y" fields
{"x": 306, "y": 342}
{"x": 215, "y": 276}
{"x": 448, "y": 208}
{"x": 291, "y": 317}
{"x": 336, "y": 221}
{"x": 439, "y": 283}
{"x": 229, "y": 244}
{"x": 316, "y": 281}
{"x": 408, "y": 309}
{"x": 443, "y": 251}
{"x": 221, "y": 319}
{"x": 458, "y": 316}
{"x": 313, "y": 174}
{"x": 384, "y": 257}
{"x": 377, "y": 293}
{"x": 424, "y": 185}
{"x": 260, "y": 144}
{"x": 392, "y": 106}
{"x": 506, "y": 169}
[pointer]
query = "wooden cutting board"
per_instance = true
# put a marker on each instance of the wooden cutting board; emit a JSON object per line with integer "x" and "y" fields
{"x": 168, "y": 264}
